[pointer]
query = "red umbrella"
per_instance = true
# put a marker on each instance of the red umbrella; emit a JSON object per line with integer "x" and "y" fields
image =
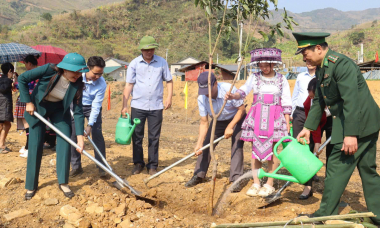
{"x": 49, "y": 54}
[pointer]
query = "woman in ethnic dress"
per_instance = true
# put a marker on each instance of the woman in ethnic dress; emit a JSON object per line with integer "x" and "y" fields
{"x": 268, "y": 119}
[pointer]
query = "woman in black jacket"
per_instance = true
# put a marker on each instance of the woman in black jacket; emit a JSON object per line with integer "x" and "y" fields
{"x": 6, "y": 105}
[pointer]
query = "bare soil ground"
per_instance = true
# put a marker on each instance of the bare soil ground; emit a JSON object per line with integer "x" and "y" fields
{"x": 99, "y": 204}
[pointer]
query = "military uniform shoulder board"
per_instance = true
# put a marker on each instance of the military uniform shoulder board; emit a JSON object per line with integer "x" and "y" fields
{"x": 333, "y": 58}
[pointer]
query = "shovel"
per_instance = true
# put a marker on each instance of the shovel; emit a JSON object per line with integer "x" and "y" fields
{"x": 274, "y": 197}
{"x": 146, "y": 180}
{"x": 95, "y": 147}
{"x": 121, "y": 182}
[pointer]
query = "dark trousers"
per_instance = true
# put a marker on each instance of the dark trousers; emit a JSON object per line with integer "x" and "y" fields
{"x": 97, "y": 138}
{"x": 36, "y": 142}
{"x": 299, "y": 119}
{"x": 154, "y": 118}
{"x": 339, "y": 172}
{"x": 237, "y": 157}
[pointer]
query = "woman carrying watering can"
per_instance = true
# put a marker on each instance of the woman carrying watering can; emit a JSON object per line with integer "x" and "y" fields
{"x": 268, "y": 119}
{"x": 58, "y": 87}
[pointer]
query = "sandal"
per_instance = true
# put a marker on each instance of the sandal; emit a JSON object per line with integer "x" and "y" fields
{"x": 4, "y": 150}
{"x": 253, "y": 190}
{"x": 266, "y": 190}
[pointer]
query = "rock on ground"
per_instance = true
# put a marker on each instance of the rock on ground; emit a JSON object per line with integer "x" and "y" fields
{"x": 51, "y": 201}
{"x": 17, "y": 214}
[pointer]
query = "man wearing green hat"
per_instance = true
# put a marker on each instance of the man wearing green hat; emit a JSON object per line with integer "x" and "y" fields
{"x": 356, "y": 122}
{"x": 145, "y": 76}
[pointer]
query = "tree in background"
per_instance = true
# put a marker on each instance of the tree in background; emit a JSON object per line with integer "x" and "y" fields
{"x": 357, "y": 37}
{"x": 47, "y": 16}
{"x": 222, "y": 15}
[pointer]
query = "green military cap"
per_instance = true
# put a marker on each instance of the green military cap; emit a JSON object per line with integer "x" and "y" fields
{"x": 307, "y": 39}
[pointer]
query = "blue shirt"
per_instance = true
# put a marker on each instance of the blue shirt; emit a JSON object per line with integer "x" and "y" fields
{"x": 93, "y": 94}
{"x": 148, "y": 88}
{"x": 229, "y": 110}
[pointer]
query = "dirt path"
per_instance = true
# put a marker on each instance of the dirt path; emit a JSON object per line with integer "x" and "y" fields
{"x": 99, "y": 204}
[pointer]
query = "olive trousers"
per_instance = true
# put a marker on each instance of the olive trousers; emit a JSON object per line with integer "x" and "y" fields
{"x": 339, "y": 171}
{"x": 62, "y": 121}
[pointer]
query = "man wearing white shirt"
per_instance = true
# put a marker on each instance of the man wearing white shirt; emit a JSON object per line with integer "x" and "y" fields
{"x": 228, "y": 124}
{"x": 299, "y": 96}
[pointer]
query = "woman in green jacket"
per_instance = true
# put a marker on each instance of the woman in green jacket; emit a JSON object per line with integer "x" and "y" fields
{"x": 57, "y": 88}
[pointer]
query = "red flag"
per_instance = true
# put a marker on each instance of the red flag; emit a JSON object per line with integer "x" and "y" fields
{"x": 109, "y": 98}
{"x": 376, "y": 58}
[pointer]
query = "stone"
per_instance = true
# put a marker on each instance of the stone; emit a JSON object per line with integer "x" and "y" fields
{"x": 134, "y": 218}
{"x": 147, "y": 206}
{"x": 125, "y": 224}
{"x": 17, "y": 214}
{"x": 107, "y": 206}
{"x": 75, "y": 219}
{"x": 117, "y": 220}
{"x": 121, "y": 209}
{"x": 94, "y": 208}
{"x": 84, "y": 223}
{"x": 4, "y": 182}
{"x": 67, "y": 210}
{"x": 51, "y": 202}
{"x": 68, "y": 225}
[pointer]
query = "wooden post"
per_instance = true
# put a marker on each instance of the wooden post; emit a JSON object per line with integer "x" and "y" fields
{"x": 298, "y": 220}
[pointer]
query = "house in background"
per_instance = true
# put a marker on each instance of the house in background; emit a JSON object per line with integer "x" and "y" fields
{"x": 174, "y": 68}
{"x": 193, "y": 71}
{"x": 116, "y": 68}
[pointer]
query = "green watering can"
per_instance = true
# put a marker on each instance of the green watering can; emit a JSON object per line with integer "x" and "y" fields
{"x": 124, "y": 129}
{"x": 297, "y": 159}
{"x": 284, "y": 144}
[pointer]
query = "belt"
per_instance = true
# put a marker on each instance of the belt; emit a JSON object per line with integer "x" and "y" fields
{"x": 300, "y": 108}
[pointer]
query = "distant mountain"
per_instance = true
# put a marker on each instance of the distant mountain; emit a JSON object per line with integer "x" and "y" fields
{"x": 24, "y": 12}
{"x": 329, "y": 19}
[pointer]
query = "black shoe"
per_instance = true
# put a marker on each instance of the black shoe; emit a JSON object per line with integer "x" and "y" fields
{"x": 29, "y": 196}
{"x": 315, "y": 178}
{"x": 69, "y": 194}
{"x": 152, "y": 171}
{"x": 76, "y": 172}
{"x": 303, "y": 197}
{"x": 102, "y": 173}
{"x": 194, "y": 181}
{"x": 137, "y": 169}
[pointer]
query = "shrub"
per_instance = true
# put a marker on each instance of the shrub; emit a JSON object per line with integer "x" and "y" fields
{"x": 356, "y": 37}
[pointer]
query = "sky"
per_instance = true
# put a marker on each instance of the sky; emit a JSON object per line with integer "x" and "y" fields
{"x": 299, "y": 6}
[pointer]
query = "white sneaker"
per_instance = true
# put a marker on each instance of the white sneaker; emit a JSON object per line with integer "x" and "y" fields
{"x": 253, "y": 190}
{"x": 266, "y": 190}
{"x": 25, "y": 154}
{"x": 22, "y": 150}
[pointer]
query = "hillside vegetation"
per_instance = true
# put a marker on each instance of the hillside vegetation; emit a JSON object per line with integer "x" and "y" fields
{"x": 116, "y": 29}
{"x": 24, "y": 12}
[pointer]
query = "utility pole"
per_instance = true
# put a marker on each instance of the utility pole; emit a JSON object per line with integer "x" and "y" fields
{"x": 167, "y": 55}
{"x": 217, "y": 58}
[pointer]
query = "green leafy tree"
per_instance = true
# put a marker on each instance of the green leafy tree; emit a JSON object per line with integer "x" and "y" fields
{"x": 47, "y": 16}
{"x": 222, "y": 14}
{"x": 357, "y": 37}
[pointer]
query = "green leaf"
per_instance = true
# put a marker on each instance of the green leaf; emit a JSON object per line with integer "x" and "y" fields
{"x": 275, "y": 2}
{"x": 265, "y": 36}
{"x": 208, "y": 10}
{"x": 196, "y": 3}
{"x": 279, "y": 31}
{"x": 246, "y": 7}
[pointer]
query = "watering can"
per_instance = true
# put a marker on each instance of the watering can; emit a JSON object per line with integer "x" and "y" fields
{"x": 284, "y": 144}
{"x": 124, "y": 129}
{"x": 297, "y": 159}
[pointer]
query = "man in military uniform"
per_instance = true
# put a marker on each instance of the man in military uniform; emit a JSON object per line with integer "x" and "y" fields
{"x": 356, "y": 123}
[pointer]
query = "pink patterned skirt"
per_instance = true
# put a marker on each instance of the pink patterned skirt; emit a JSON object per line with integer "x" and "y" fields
{"x": 264, "y": 125}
